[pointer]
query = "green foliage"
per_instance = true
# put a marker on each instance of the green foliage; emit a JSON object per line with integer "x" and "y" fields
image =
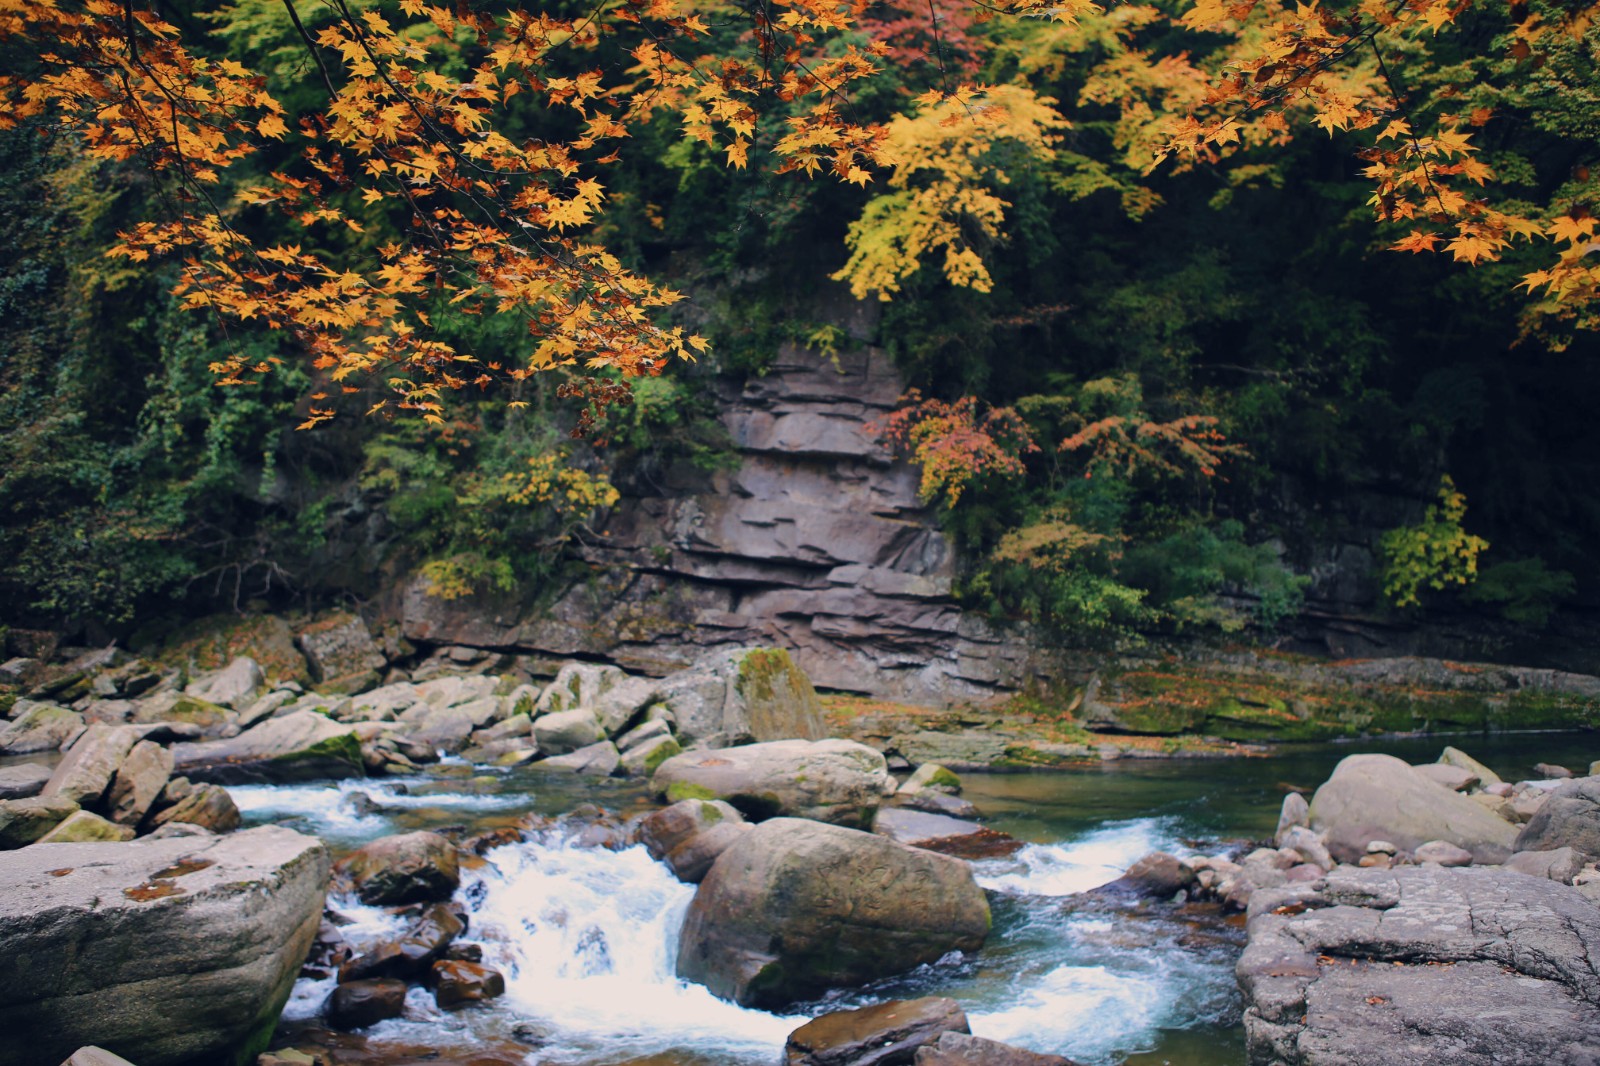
{"x": 1526, "y": 591}
{"x": 1436, "y": 553}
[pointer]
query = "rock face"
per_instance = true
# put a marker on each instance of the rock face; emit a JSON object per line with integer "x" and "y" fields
{"x": 170, "y": 951}
{"x": 817, "y": 543}
{"x": 836, "y": 781}
{"x": 1347, "y": 972}
{"x": 1379, "y": 797}
{"x": 796, "y": 907}
{"x": 883, "y": 1035}
{"x": 1570, "y": 818}
{"x": 300, "y": 746}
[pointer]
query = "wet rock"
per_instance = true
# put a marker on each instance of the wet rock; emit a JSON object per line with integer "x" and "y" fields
{"x": 235, "y": 685}
{"x": 595, "y": 760}
{"x": 411, "y": 956}
{"x": 1156, "y": 876}
{"x": 1551, "y": 772}
{"x": 567, "y": 731}
{"x": 887, "y": 1034}
{"x": 836, "y": 781}
{"x": 1442, "y": 852}
{"x": 359, "y": 1004}
{"x": 138, "y": 782}
{"x": 797, "y": 907}
{"x": 170, "y": 951}
{"x": 958, "y": 1049}
{"x": 25, "y": 820}
{"x": 1460, "y": 759}
{"x": 83, "y": 827}
{"x": 944, "y": 834}
{"x": 1296, "y": 813}
{"x": 1378, "y": 796}
{"x": 458, "y": 983}
{"x": 1452, "y": 777}
{"x": 1558, "y": 864}
{"x": 417, "y": 867}
{"x": 22, "y": 780}
{"x": 1569, "y": 818}
{"x": 1455, "y": 967}
{"x": 937, "y": 803}
{"x": 689, "y": 835}
{"x": 301, "y": 746}
{"x": 95, "y": 1056}
{"x": 207, "y": 806}
{"x": 40, "y": 727}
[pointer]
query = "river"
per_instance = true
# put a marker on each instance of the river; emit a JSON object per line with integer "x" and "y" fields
{"x": 587, "y": 937}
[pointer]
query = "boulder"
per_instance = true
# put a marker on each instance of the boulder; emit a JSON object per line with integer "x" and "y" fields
{"x": 459, "y": 983}
{"x": 1452, "y": 777}
{"x": 447, "y": 728}
{"x": 341, "y": 653}
{"x": 83, "y": 827}
{"x": 359, "y": 1004}
{"x": 171, "y": 951}
{"x": 1309, "y": 846}
{"x": 645, "y": 731}
{"x": 1560, "y": 864}
{"x": 645, "y": 757}
{"x": 887, "y": 1034}
{"x": 595, "y": 760}
{"x": 25, "y": 820}
{"x": 22, "y": 780}
{"x": 796, "y": 907}
{"x": 689, "y": 835}
{"x": 1295, "y": 813}
{"x": 85, "y": 773}
{"x": 95, "y": 1056}
{"x": 205, "y": 805}
{"x": 138, "y": 782}
{"x": 567, "y": 731}
{"x": 235, "y": 685}
{"x": 1380, "y": 797}
{"x": 1442, "y": 852}
{"x": 417, "y": 867}
{"x": 836, "y": 781}
{"x": 1347, "y": 971}
{"x": 1569, "y": 818}
{"x": 176, "y": 708}
{"x": 743, "y": 695}
{"x": 931, "y": 777}
{"x": 942, "y": 833}
{"x": 411, "y": 956}
{"x": 579, "y": 685}
{"x": 1460, "y": 759}
{"x": 41, "y": 727}
{"x": 958, "y": 1049}
{"x": 1552, "y": 772}
{"x": 300, "y": 746}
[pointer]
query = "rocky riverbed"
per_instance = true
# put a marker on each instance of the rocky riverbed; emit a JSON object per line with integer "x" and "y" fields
{"x": 754, "y": 874}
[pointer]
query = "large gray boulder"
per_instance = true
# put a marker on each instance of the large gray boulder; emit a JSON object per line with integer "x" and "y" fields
{"x": 743, "y": 695}
{"x": 689, "y": 836}
{"x": 139, "y": 782}
{"x": 41, "y": 727}
{"x": 1379, "y": 797}
{"x": 300, "y": 746}
{"x": 1347, "y": 971}
{"x": 23, "y": 821}
{"x": 561, "y": 732}
{"x": 1569, "y": 818}
{"x": 23, "y": 780}
{"x": 794, "y": 908}
{"x": 235, "y": 685}
{"x": 85, "y": 773}
{"x": 171, "y": 951}
{"x": 836, "y": 781}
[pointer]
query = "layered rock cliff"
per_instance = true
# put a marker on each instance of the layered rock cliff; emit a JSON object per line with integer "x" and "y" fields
{"x": 817, "y": 542}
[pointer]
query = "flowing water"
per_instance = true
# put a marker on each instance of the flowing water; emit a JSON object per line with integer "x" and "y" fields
{"x": 587, "y": 937}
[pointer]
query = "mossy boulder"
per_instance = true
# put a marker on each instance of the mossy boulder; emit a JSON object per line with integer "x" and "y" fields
{"x": 795, "y": 908}
{"x": 836, "y": 781}
{"x": 301, "y": 746}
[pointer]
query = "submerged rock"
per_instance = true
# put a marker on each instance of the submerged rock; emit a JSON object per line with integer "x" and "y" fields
{"x": 458, "y": 983}
{"x": 1453, "y": 967}
{"x": 796, "y": 907}
{"x": 171, "y": 951}
{"x": 836, "y": 781}
{"x": 358, "y": 1004}
{"x": 884, "y": 1035}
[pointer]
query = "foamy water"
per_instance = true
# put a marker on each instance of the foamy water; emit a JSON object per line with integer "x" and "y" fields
{"x": 332, "y": 809}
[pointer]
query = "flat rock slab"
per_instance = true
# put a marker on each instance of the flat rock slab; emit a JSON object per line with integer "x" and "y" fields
{"x": 1453, "y": 967}
{"x": 171, "y": 951}
{"x": 301, "y": 746}
{"x": 23, "y": 780}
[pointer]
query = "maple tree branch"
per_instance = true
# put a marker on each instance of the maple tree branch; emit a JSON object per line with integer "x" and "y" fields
{"x": 311, "y": 46}
{"x": 1416, "y": 144}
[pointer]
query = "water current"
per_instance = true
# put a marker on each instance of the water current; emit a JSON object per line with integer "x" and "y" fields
{"x": 587, "y": 937}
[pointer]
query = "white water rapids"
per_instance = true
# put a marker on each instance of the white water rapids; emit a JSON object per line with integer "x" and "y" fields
{"x": 587, "y": 939}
